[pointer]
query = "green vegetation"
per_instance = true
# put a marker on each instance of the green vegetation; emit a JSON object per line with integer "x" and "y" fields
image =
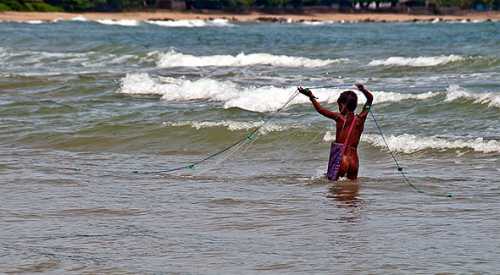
{"x": 41, "y": 6}
{"x": 234, "y": 5}
{"x": 17, "y": 5}
{"x": 4, "y": 7}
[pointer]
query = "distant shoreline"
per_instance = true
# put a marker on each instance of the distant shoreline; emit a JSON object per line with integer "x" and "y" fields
{"x": 251, "y": 17}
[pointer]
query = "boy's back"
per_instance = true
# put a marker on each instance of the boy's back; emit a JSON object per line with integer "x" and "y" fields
{"x": 349, "y": 127}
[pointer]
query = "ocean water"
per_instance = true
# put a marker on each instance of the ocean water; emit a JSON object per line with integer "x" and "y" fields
{"x": 91, "y": 113}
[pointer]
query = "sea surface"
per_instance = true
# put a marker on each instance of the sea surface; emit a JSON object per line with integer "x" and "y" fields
{"x": 93, "y": 115}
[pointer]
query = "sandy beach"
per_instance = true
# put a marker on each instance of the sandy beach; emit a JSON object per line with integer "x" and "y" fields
{"x": 173, "y": 15}
{"x": 132, "y": 145}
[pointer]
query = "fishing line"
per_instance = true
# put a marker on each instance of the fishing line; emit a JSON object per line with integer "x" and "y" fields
{"x": 400, "y": 169}
{"x": 248, "y": 146}
{"x": 239, "y": 143}
{"x": 250, "y": 136}
{"x": 398, "y": 166}
{"x": 224, "y": 157}
{"x": 312, "y": 140}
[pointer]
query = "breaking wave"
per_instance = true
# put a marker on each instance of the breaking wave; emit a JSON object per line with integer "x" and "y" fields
{"x": 455, "y": 92}
{"x": 176, "y": 59}
{"x": 127, "y": 23}
{"x": 317, "y": 23}
{"x": 50, "y": 60}
{"x": 422, "y": 61}
{"x": 195, "y": 23}
{"x": 410, "y": 143}
{"x": 233, "y": 125}
{"x": 79, "y": 18}
{"x": 259, "y": 99}
{"x": 35, "y": 22}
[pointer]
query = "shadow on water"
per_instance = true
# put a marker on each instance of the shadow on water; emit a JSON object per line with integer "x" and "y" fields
{"x": 345, "y": 193}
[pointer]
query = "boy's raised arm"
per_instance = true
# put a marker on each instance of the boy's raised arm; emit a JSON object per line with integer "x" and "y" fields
{"x": 333, "y": 115}
{"x": 369, "y": 99}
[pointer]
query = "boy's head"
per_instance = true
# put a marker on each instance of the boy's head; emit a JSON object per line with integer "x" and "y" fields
{"x": 348, "y": 100}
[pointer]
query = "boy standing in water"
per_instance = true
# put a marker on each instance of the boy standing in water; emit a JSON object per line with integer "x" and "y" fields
{"x": 349, "y": 126}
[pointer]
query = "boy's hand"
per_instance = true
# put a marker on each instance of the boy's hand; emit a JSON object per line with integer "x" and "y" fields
{"x": 360, "y": 86}
{"x": 306, "y": 92}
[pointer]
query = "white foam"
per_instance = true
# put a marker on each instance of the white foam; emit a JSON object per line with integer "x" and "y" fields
{"x": 176, "y": 59}
{"x": 381, "y": 96}
{"x": 264, "y": 99}
{"x": 329, "y": 136}
{"x": 39, "y": 59}
{"x": 261, "y": 99}
{"x": 127, "y": 23}
{"x": 410, "y": 143}
{"x": 455, "y": 92}
{"x": 79, "y": 18}
{"x": 193, "y": 23}
{"x": 422, "y": 61}
{"x": 258, "y": 99}
{"x": 36, "y": 22}
{"x": 3, "y": 53}
{"x": 465, "y": 21}
{"x": 436, "y": 20}
{"x": 232, "y": 125}
{"x": 317, "y": 23}
{"x": 220, "y": 23}
{"x": 172, "y": 89}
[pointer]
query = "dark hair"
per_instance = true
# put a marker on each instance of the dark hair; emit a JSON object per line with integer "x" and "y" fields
{"x": 350, "y": 99}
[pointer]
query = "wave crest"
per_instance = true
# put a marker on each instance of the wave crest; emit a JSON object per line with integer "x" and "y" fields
{"x": 194, "y": 23}
{"x": 317, "y": 23}
{"x": 455, "y": 92}
{"x": 258, "y": 99}
{"x": 34, "y": 22}
{"x": 176, "y": 59}
{"x": 124, "y": 22}
{"x": 79, "y": 18}
{"x": 18, "y": 61}
{"x": 410, "y": 143}
{"x": 421, "y": 61}
{"x": 232, "y": 125}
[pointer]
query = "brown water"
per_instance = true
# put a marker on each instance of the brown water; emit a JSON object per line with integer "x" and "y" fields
{"x": 84, "y": 105}
{"x": 58, "y": 220}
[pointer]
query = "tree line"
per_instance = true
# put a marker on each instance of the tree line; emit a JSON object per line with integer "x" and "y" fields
{"x": 229, "y": 5}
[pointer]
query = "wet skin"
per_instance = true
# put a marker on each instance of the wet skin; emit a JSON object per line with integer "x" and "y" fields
{"x": 350, "y": 163}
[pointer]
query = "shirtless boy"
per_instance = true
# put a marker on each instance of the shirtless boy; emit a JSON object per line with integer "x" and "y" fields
{"x": 343, "y": 160}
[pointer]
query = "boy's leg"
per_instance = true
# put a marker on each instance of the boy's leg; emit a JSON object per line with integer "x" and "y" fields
{"x": 352, "y": 172}
{"x": 344, "y": 166}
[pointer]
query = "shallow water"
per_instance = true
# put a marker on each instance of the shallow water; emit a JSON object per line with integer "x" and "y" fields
{"x": 84, "y": 105}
